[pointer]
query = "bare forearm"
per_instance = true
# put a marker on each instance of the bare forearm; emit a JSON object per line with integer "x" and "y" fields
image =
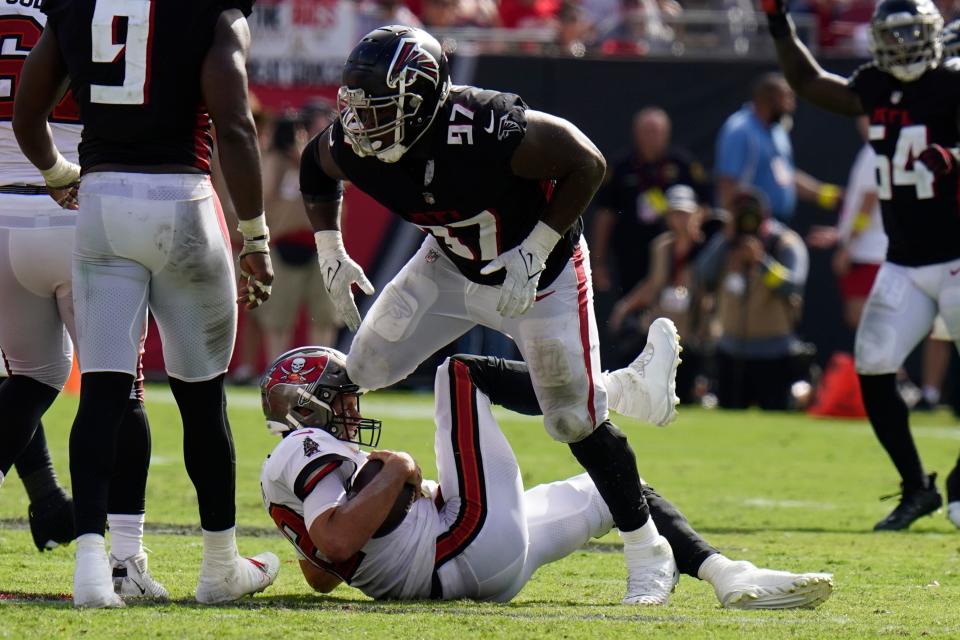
{"x": 35, "y": 140}
{"x": 324, "y": 216}
{"x": 344, "y": 530}
{"x": 572, "y": 195}
{"x": 240, "y": 163}
{"x": 806, "y": 76}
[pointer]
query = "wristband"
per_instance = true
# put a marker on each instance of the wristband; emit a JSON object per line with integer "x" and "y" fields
{"x": 828, "y": 195}
{"x": 542, "y": 239}
{"x": 62, "y": 174}
{"x": 861, "y": 221}
{"x": 776, "y": 273}
{"x": 329, "y": 242}
{"x": 256, "y": 235}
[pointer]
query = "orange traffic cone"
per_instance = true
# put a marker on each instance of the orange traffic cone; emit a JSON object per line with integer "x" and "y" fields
{"x": 838, "y": 395}
{"x": 73, "y": 382}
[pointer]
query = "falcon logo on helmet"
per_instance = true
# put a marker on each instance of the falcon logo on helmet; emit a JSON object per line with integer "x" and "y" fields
{"x": 905, "y": 37}
{"x": 410, "y": 61}
{"x": 300, "y": 390}
{"x": 394, "y": 83}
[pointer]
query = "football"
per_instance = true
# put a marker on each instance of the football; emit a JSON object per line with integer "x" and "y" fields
{"x": 404, "y": 501}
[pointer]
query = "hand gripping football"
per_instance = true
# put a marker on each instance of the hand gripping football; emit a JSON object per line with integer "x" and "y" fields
{"x": 398, "y": 511}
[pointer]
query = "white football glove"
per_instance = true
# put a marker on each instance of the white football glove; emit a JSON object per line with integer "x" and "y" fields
{"x": 339, "y": 273}
{"x": 523, "y": 264}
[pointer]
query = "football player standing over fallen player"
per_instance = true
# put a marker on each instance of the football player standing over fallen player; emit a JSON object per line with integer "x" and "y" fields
{"x": 499, "y": 190}
{"x": 912, "y": 96}
{"x": 149, "y": 75}
{"x": 36, "y": 331}
{"x": 475, "y": 535}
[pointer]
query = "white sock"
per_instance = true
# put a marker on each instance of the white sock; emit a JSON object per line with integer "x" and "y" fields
{"x": 220, "y": 546}
{"x": 91, "y": 543}
{"x": 126, "y": 534}
{"x": 614, "y": 389}
{"x": 713, "y": 567}
{"x": 646, "y": 534}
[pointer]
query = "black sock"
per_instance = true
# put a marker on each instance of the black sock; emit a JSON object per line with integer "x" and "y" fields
{"x": 208, "y": 450}
{"x": 93, "y": 445}
{"x": 128, "y": 484}
{"x": 23, "y": 401}
{"x": 890, "y": 419}
{"x": 607, "y": 457}
{"x": 689, "y": 549}
{"x": 36, "y": 469}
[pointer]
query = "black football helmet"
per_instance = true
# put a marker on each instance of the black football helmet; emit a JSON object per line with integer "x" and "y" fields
{"x": 394, "y": 83}
{"x": 905, "y": 37}
{"x": 951, "y": 39}
{"x": 298, "y": 391}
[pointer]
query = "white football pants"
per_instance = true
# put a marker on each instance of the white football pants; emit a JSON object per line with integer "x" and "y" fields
{"x": 153, "y": 241}
{"x": 430, "y": 303}
{"x": 900, "y": 311}
{"x": 496, "y": 536}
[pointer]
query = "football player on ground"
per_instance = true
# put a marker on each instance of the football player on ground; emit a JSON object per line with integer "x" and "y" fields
{"x": 499, "y": 189}
{"x": 476, "y": 534}
{"x": 36, "y": 327}
{"x": 912, "y": 97}
{"x": 148, "y": 77}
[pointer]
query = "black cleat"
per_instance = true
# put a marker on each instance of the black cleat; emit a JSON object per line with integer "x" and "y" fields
{"x": 51, "y": 521}
{"x": 914, "y": 504}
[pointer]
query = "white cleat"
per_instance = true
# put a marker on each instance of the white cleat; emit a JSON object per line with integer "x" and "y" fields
{"x": 244, "y": 576}
{"x": 651, "y": 572}
{"x": 648, "y": 385}
{"x": 744, "y": 586}
{"x": 131, "y": 579}
{"x": 92, "y": 585}
{"x": 953, "y": 513}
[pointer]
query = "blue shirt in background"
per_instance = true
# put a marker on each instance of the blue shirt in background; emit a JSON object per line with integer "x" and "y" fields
{"x": 753, "y": 154}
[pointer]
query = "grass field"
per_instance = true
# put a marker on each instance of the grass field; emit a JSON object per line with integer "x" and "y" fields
{"x": 780, "y": 490}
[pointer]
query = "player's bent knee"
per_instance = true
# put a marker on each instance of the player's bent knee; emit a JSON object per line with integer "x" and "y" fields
{"x": 567, "y": 426}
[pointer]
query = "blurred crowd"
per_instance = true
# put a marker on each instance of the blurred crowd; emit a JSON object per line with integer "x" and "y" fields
{"x": 633, "y": 27}
{"x": 721, "y": 255}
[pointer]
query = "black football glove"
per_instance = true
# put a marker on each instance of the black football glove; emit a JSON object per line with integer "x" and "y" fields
{"x": 777, "y": 19}
{"x": 939, "y": 160}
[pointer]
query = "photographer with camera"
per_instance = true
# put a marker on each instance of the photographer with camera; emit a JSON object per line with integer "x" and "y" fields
{"x": 757, "y": 268}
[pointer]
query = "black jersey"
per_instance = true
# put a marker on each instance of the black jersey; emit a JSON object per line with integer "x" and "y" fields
{"x": 921, "y": 212}
{"x": 457, "y": 184}
{"x": 134, "y": 68}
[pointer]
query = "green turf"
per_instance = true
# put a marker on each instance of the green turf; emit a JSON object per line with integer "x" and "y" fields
{"x": 780, "y": 490}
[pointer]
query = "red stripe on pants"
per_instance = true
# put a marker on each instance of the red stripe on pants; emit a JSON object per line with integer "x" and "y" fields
{"x": 472, "y": 508}
{"x": 583, "y": 304}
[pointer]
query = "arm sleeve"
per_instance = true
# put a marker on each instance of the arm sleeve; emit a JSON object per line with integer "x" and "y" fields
{"x": 732, "y": 152}
{"x": 315, "y": 184}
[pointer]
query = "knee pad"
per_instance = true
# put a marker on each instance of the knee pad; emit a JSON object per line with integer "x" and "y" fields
{"x": 369, "y": 369}
{"x": 568, "y": 426}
